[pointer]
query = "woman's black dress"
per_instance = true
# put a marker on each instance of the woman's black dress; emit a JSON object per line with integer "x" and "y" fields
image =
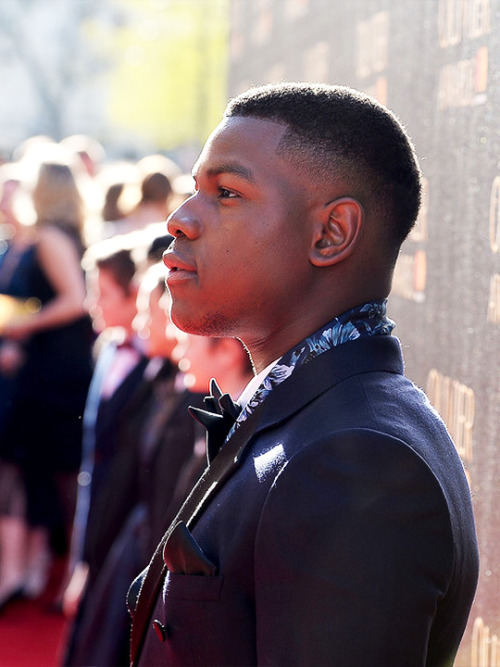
{"x": 43, "y": 428}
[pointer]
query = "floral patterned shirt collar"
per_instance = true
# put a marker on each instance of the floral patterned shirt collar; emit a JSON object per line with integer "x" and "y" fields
{"x": 369, "y": 319}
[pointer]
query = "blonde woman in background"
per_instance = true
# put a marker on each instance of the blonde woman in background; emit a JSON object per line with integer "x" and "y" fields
{"x": 41, "y": 445}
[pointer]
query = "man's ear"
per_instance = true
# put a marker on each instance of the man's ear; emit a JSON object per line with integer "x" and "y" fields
{"x": 337, "y": 231}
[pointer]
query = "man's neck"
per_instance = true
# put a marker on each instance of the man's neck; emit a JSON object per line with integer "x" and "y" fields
{"x": 236, "y": 383}
{"x": 265, "y": 351}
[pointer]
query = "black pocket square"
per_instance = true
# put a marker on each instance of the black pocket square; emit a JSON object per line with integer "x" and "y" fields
{"x": 182, "y": 554}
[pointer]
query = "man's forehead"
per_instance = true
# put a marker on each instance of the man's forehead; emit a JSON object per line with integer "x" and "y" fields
{"x": 238, "y": 139}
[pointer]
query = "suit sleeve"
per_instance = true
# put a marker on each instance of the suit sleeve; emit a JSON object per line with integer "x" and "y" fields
{"x": 353, "y": 552}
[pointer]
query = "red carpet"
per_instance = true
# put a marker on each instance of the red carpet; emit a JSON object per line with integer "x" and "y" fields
{"x": 31, "y": 633}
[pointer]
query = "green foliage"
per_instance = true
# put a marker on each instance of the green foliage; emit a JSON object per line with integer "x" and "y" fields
{"x": 168, "y": 82}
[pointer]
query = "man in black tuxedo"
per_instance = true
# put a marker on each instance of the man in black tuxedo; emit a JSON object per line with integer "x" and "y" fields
{"x": 334, "y": 525}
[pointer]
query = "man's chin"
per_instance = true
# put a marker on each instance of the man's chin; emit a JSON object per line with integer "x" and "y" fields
{"x": 215, "y": 325}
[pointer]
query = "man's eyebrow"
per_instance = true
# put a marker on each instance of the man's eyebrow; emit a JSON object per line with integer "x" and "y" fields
{"x": 229, "y": 168}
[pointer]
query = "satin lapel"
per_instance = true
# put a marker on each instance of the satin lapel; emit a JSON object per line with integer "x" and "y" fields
{"x": 170, "y": 404}
{"x": 222, "y": 467}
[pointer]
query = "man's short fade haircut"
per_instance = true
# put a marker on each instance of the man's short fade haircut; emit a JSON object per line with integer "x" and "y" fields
{"x": 346, "y": 135}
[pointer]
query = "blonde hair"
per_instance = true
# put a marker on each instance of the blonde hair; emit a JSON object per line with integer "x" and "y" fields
{"x": 56, "y": 198}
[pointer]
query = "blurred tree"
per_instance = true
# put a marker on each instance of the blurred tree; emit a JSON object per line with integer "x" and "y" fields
{"x": 137, "y": 74}
{"x": 169, "y": 82}
{"x": 45, "y": 40}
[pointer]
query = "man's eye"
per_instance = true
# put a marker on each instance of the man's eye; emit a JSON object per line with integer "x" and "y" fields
{"x": 226, "y": 194}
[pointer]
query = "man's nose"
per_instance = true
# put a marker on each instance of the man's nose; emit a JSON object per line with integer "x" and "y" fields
{"x": 184, "y": 221}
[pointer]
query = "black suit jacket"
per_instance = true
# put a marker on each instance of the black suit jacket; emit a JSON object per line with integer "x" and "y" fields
{"x": 155, "y": 438}
{"x": 334, "y": 528}
{"x": 102, "y": 442}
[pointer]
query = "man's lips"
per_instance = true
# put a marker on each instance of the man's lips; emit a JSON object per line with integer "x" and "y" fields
{"x": 178, "y": 268}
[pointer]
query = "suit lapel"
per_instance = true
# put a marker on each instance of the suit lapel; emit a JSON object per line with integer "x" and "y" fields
{"x": 170, "y": 402}
{"x": 222, "y": 467}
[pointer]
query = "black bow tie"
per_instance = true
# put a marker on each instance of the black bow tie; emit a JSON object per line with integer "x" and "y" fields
{"x": 220, "y": 414}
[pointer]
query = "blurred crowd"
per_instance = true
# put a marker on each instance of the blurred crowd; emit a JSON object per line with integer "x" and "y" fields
{"x": 97, "y": 447}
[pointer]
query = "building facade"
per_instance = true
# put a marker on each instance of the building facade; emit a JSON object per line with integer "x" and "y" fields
{"x": 436, "y": 64}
